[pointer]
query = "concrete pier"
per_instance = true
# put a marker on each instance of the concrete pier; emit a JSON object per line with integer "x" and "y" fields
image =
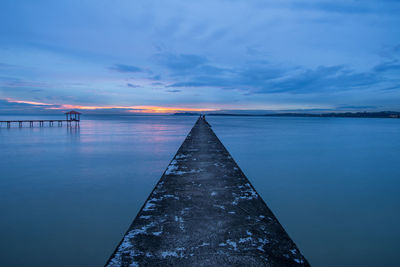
{"x": 205, "y": 212}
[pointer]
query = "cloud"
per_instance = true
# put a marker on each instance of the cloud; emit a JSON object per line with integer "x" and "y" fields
{"x": 392, "y": 88}
{"x": 157, "y": 84}
{"x": 355, "y": 107}
{"x": 25, "y": 102}
{"x": 180, "y": 62}
{"x": 332, "y": 7}
{"x": 4, "y": 66}
{"x": 262, "y": 77}
{"x": 125, "y": 68}
{"x": 155, "y": 77}
{"x": 393, "y": 65}
{"x": 132, "y": 85}
{"x": 349, "y": 7}
{"x": 18, "y": 83}
{"x": 322, "y": 79}
{"x": 174, "y": 91}
{"x": 11, "y": 105}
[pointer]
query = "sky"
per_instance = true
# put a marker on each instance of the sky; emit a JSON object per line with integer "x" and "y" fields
{"x": 128, "y": 56}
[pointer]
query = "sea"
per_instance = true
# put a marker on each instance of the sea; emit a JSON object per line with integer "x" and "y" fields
{"x": 68, "y": 194}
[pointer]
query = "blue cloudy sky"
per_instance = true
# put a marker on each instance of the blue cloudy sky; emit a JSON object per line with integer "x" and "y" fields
{"x": 134, "y": 55}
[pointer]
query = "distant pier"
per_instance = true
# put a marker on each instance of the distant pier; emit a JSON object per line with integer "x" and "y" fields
{"x": 72, "y": 118}
{"x": 205, "y": 212}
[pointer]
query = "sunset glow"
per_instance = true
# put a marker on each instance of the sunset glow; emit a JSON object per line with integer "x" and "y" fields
{"x": 131, "y": 109}
{"x": 9, "y": 100}
{"x": 136, "y": 109}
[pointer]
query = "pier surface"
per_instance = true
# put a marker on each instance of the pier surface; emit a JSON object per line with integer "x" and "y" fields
{"x": 205, "y": 212}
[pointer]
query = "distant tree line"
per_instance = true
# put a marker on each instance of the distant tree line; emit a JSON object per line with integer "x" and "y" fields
{"x": 380, "y": 114}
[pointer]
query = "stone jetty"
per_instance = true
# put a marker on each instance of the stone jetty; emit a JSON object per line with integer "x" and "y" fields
{"x": 205, "y": 212}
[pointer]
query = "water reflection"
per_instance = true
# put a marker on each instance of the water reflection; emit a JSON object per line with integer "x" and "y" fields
{"x": 332, "y": 182}
{"x": 73, "y": 132}
{"x": 329, "y": 181}
{"x": 83, "y": 180}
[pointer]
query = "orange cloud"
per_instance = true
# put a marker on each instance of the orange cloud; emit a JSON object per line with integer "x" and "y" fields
{"x": 156, "y": 109}
{"x": 132, "y": 109}
{"x": 27, "y": 102}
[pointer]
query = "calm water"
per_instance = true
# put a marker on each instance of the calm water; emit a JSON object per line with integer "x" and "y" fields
{"x": 68, "y": 195}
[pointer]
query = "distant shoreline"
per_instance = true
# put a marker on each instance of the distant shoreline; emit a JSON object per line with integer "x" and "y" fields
{"x": 382, "y": 114}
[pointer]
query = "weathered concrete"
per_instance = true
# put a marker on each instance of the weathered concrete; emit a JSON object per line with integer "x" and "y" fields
{"x": 205, "y": 212}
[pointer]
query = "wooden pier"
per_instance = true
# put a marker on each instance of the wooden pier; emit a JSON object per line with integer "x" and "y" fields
{"x": 32, "y": 123}
{"x": 72, "y": 118}
{"x": 205, "y": 212}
